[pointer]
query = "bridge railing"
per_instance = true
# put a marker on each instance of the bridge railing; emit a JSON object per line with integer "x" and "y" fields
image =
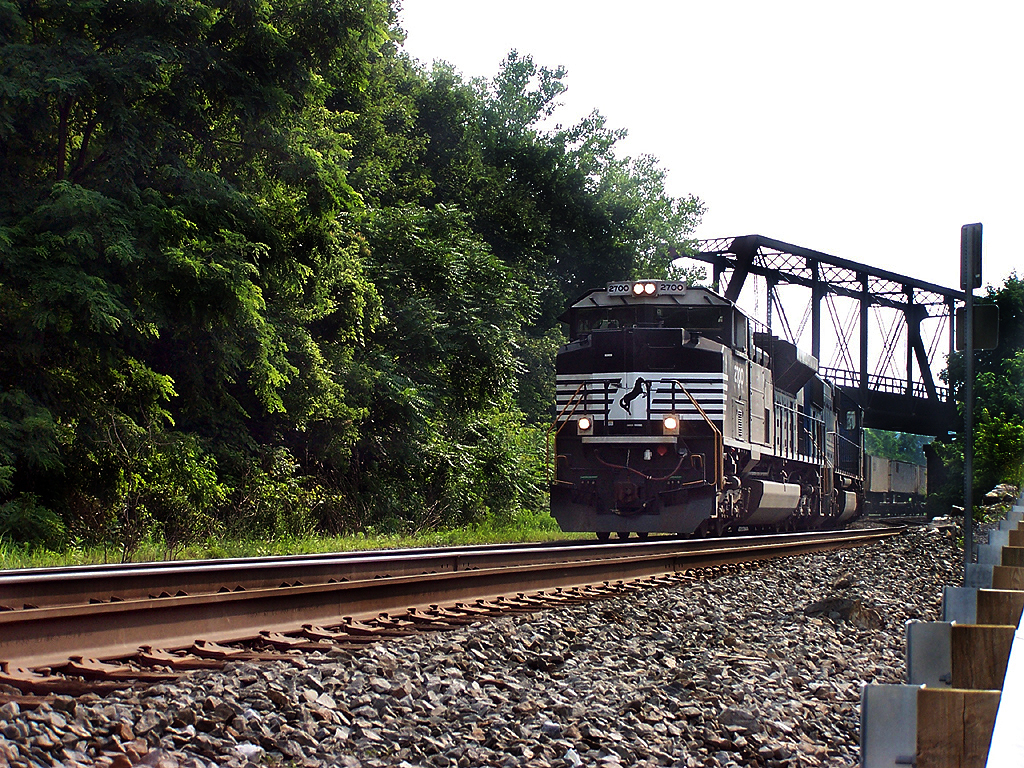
{"x": 887, "y": 384}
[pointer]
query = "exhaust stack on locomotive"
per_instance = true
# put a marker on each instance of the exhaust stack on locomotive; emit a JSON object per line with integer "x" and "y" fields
{"x": 676, "y": 414}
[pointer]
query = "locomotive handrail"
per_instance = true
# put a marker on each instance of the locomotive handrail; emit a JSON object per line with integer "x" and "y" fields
{"x": 553, "y": 465}
{"x": 847, "y": 455}
{"x": 792, "y": 448}
{"x": 572, "y": 398}
{"x": 615, "y": 381}
{"x": 719, "y": 442}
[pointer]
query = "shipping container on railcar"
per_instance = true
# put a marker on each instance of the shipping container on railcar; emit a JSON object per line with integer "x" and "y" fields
{"x": 677, "y": 414}
{"x": 895, "y": 488}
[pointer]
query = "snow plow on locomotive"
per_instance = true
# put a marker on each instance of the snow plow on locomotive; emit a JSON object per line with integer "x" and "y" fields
{"x": 676, "y": 414}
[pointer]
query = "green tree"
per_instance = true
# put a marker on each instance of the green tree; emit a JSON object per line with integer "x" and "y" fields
{"x": 901, "y": 446}
{"x": 261, "y": 272}
{"x": 440, "y": 366}
{"x": 554, "y": 203}
{"x": 998, "y": 401}
{"x": 172, "y": 250}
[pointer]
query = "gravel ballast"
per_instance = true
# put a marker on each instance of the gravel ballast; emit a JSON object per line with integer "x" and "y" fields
{"x": 759, "y": 667}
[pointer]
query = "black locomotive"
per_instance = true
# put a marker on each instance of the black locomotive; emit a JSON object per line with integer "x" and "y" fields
{"x": 677, "y": 414}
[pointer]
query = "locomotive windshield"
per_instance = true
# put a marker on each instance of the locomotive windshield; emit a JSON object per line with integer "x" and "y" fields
{"x": 709, "y": 321}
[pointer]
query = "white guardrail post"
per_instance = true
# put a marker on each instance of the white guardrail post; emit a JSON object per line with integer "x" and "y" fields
{"x": 928, "y": 722}
{"x": 1007, "y": 747}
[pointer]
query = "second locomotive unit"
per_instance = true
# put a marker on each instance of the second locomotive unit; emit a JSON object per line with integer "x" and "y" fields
{"x": 677, "y": 414}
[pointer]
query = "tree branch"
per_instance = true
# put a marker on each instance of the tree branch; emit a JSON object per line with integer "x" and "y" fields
{"x": 62, "y": 138}
{"x": 84, "y": 149}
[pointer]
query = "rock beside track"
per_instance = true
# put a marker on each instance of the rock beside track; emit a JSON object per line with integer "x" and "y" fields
{"x": 762, "y": 667}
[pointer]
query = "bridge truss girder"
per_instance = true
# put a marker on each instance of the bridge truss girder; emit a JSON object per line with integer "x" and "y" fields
{"x": 906, "y": 403}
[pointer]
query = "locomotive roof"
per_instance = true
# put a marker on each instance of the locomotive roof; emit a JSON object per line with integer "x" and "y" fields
{"x": 666, "y": 293}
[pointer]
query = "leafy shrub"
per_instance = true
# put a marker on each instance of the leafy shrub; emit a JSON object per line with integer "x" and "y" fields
{"x": 269, "y": 500}
{"x": 182, "y": 492}
{"x": 26, "y": 521}
{"x": 998, "y": 452}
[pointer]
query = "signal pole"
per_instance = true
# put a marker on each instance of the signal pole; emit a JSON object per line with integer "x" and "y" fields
{"x": 970, "y": 278}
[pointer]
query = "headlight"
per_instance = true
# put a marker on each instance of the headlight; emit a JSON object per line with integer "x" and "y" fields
{"x": 584, "y": 425}
{"x": 670, "y": 424}
{"x": 638, "y": 288}
{"x": 650, "y": 288}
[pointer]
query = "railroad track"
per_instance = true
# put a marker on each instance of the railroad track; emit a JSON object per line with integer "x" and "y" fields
{"x": 50, "y": 587}
{"x": 71, "y": 621}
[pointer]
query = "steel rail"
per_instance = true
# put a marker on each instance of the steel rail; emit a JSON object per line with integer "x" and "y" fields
{"x": 72, "y": 585}
{"x": 49, "y": 636}
{"x": 52, "y": 587}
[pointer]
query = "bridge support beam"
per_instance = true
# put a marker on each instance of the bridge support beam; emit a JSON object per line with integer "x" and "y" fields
{"x": 910, "y": 403}
{"x": 865, "y": 304}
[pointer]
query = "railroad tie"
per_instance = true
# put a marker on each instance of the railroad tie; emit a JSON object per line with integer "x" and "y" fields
{"x": 93, "y": 669}
{"x": 36, "y": 683}
{"x": 210, "y": 650}
{"x": 156, "y": 657}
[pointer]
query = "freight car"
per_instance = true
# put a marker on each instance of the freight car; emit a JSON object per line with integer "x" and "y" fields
{"x": 894, "y": 488}
{"x": 678, "y": 414}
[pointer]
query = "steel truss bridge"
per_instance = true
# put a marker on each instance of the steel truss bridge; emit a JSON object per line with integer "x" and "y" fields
{"x": 888, "y": 333}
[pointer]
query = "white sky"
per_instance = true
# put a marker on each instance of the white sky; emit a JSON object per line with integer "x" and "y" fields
{"x": 871, "y": 131}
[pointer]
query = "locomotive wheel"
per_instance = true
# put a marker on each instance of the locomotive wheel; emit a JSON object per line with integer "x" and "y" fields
{"x": 603, "y": 536}
{"x": 623, "y": 535}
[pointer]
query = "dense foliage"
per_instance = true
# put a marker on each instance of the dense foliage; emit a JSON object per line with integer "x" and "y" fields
{"x": 998, "y": 403}
{"x": 262, "y": 273}
{"x": 901, "y": 446}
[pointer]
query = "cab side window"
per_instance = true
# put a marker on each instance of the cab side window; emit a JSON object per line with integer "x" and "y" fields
{"x": 740, "y": 332}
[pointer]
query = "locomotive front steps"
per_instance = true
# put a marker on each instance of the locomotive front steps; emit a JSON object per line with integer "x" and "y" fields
{"x": 964, "y": 698}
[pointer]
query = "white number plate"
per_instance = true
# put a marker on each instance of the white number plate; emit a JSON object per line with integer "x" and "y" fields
{"x": 662, "y": 287}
